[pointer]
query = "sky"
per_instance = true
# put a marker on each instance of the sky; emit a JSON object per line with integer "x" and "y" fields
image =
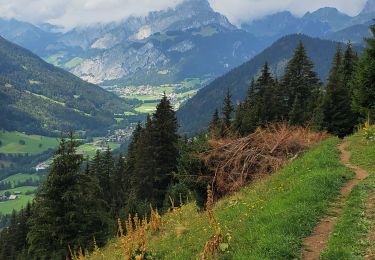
{"x": 71, "y": 13}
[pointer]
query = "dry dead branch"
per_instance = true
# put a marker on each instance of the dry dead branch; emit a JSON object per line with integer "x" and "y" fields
{"x": 233, "y": 163}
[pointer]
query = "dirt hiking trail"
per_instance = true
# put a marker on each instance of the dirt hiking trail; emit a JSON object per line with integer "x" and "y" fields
{"x": 316, "y": 242}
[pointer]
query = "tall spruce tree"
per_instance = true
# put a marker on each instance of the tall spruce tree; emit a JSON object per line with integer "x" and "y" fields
{"x": 165, "y": 148}
{"x": 261, "y": 105}
{"x": 227, "y": 112}
{"x": 142, "y": 178}
{"x": 120, "y": 186}
{"x": 363, "y": 84}
{"x": 338, "y": 117}
{"x": 349, "y": 63}
{"x": 299, "y": 85}
{"x": 246, "y": 118}
{"x": 107, "y": 169}
{"x": 68, "y": 210}
{"x": 214, "y": 126}
{"x": 156, "y": 156}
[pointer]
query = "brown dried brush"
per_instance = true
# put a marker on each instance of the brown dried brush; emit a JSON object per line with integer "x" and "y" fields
{"x": 76, "y": 255}
{"x": 96, "y": 251}
{"x": 233, "y": 163}
{"x": 155, "y": 220}
{"x": 134, "y": 241}
{"x": 211, "y": 248}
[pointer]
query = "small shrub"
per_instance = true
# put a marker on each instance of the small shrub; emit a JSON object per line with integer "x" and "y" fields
{"x": 369, "y": 131}
{"x": 22, "y": 142}
{"x": 218, "y": 244}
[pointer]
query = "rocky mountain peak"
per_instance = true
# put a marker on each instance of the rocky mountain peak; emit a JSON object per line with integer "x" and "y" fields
{"x": 202, "y": 4}
{"x": 369, "y": 7}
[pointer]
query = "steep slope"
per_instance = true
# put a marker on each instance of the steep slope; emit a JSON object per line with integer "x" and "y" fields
{"x": 331, "y": 16}
{"x": 26, "y": 34}
{"x": 171, "y": 57}
{"x": 266, "y": 220}
{"x": 355, "y": 34}
{"x": 40, "y": 98}
{"x": 277, "y": 25}
{"x": 196, "y": 113}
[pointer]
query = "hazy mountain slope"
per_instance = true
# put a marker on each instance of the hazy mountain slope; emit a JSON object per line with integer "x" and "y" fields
{"x": 355, "y": 34}
{"x": 331, "y": 16}
{"x": 283, "y": 23}
{"x": 38, "y": 97}
{"x": 196, "y": 113}
{"x": 26, "y": 34}
{"x": 204, "y": 52}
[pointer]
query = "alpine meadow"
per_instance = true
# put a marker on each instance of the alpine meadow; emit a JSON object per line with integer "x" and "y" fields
{"x": 188, "y": 129}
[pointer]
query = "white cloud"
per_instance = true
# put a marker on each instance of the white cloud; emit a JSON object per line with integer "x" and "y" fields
{"x": 70, "y": 13}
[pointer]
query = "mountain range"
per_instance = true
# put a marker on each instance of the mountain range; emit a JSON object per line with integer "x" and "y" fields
{"x": 171, "y": 45}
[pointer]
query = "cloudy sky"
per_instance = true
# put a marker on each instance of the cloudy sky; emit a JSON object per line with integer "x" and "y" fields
{"x": 70, "y": 13}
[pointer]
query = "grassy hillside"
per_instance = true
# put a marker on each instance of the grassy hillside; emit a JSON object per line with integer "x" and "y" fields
{"x": 266, "y": 220}
{"x": 19, "y": 143}
{"x": 8, "y": 206}
{"x": 37, "y": 97}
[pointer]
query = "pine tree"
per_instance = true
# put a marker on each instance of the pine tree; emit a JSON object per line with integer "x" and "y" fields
{"x": 143, "y": 164}
{"x": 349, "y": 63}
{"x": 214, "y": 126}
{"x": 120, "y": 187}
{"x": 155, "y": 159}
{"x": 107, "y": 168}
{"x": 363, "y": 84}
{"x": 299, "y": 84}
{"x": 246, "y": 118}
{"x": 68, "y": 209}
{"x": 261, "y": 105}
{"x": 165, "y": 141}
{"x": 227, "y": 111}
{"x": 338, "y": 117}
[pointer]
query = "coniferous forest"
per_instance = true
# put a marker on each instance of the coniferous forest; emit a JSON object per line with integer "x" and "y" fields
{"x": 82, "y": 199}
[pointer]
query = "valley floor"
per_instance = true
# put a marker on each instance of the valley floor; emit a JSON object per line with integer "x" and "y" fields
{"x": 272, "y": 217}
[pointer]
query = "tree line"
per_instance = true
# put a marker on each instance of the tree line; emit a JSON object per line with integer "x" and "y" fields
{"x": 299, "y": 97}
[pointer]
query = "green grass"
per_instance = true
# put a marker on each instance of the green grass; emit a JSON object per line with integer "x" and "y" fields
{"x": 143, "y": 98}
{"x": 49, "y": 99}
{"x": 268, "y": 219}
{"x": 7, "y": 207}
{"x": 34, "y": 82}
{"x": 56, "y": 58}
{"x": 20, "y": 177}
{"x": 146, "y": 108}
{"x": 206, "y": 31}
{"x": 11, "y": 143}
{"x": 73, "y": 63}
{"x": 349, "y": 238}
{"x": 90, "y": 149}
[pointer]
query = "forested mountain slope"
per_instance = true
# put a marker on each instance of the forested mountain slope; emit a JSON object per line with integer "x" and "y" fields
{"x": 39, "y": 98}
{"x": 195, "y": 114}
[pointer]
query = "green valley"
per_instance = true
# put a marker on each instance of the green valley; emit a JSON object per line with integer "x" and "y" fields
{"x": 20, "y": 143}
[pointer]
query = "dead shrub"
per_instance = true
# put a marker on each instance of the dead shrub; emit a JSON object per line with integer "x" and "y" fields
{"x": 233, "y": 163}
